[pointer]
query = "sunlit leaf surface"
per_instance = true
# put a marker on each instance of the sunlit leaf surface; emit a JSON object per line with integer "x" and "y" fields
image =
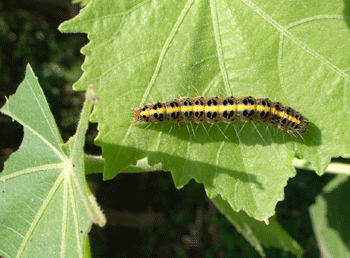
{"x": 289, "y": 51}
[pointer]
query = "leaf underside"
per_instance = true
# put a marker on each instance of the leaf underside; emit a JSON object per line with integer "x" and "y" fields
{"x": 147, "y": 51}
{"x": 46, "y": 208}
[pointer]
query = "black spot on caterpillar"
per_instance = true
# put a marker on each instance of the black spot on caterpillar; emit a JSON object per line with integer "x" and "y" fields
{"x": 227, "y": 110}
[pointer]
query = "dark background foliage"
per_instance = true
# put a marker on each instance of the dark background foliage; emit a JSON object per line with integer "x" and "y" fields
{"x": 147, "y": 216}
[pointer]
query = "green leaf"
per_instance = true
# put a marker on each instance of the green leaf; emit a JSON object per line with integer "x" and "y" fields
{"x": 148, "y": 51}
{"x": 46, "y": 206}
{"x": 257, "y": 232}
{"x": 329, "y": 217}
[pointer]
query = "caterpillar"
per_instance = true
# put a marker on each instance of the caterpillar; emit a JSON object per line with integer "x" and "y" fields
{"x": 227, "y": 110}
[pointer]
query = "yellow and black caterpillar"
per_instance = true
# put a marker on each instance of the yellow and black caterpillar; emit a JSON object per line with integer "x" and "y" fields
{"x": 228, "y": 110}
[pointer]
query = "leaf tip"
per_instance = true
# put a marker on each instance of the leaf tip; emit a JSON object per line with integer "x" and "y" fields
{"x": 97, "y": 217}
{"x": 65, "y": 27}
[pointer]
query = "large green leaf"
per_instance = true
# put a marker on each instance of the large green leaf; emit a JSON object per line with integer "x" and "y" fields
{"x": 46, "y": 206}
{"x": 147, "y": 51}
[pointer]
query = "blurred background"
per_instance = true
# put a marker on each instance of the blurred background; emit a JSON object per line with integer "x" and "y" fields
{"x": 146, "y": 215}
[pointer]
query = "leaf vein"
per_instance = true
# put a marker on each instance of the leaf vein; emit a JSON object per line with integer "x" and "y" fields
{"x": 58, "y": 152}
{"x": 39, "y": 214}
{"x": 165, "y": 49}
{"x": 75, "y": 216}
{"x": 298, "y": 42}
{"x": 219, "y": 46}
{"x": 64, "y": 217}
{"x": 31, "y": 170}
{"x": 47, "y": 119}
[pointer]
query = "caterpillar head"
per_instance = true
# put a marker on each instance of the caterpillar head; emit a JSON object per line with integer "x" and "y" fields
{"x": 303, "y": 125}
{"x": 137, "y": 115}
